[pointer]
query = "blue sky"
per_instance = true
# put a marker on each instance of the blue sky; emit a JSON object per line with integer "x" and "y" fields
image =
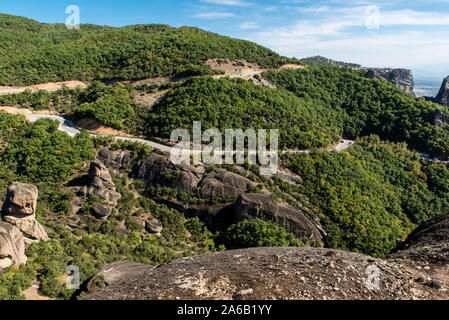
{"x": 397, "y": 33}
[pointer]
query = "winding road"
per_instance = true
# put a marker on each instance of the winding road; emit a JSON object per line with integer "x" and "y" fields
{"x": 69, "y": 127}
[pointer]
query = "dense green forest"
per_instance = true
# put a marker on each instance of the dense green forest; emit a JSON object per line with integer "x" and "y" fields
{"x": 372, "y": 195}
{"x": 235, "y": 103}
{"x": 367, "y": 106}
{"x": 31, "y": 52}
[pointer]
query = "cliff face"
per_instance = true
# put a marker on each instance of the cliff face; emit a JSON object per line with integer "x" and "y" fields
{"x": 401, "y": 78}
{"x": 443, "y": 96}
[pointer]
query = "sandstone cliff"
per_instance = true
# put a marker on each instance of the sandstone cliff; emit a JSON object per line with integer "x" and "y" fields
{"x": 443, "y": 95}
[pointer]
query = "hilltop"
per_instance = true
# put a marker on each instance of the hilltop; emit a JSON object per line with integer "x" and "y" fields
{"x": 33, "y": 52}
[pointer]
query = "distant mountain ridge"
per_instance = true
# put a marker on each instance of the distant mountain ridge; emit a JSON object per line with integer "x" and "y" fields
{"x": 107, "y": 53}
{"x": 402, "y": 78}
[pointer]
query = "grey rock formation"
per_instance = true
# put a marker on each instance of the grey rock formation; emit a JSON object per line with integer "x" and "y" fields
{"x": 152, "y": 170}
{"x": 99, "y": 184}
{"x": 114, "y": 272}
{"x": 271, "y": 274}
{"x": 443, "y": 95}
{"x": 101, "y": 211}
{"x": 12, "y": 246}
{"x": 21, "y": 200}
{"x": 252, "y": 206}
{"x": 116, "y": 158}
{"x": 223, "y": 183}
{"x": 153, "y": 227}
{"x": 401, "y": 78}
{"x": 429, "y": 243}
{"x": 19, "y": 210}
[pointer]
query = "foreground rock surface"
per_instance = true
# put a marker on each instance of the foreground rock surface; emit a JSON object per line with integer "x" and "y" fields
{"x": 271, "y": 273}
{"x": 12, "y": 246}
{"x": 114, "y": 272}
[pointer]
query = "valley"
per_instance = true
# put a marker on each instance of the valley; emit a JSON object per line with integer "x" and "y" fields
{"x": 87, "y": 181}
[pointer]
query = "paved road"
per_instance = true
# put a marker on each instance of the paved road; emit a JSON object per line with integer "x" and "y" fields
{"x": 69, "y": 127}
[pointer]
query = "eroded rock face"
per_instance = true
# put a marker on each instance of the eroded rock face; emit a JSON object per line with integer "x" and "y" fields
{"x": 100, "y": 184}
{"x": 186, "y": 178}
{"x": 401, "y": 78}
{"x": 21, "y": 200}
{"x": 252, "y": 206}
{"x": 271, "y": 274}
{"x": 19, "y": 210}
{"x": 223, "y": 183}
{"x": 12, "y": 246}
{"x": 153, "y": 227}
{"x": 443, "y": 95}
{"x": 429, "y": 243}
{"x": 116, "y": 158}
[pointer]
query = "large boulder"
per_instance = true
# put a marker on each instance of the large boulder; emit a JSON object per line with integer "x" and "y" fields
{"x": 115, "y": 158}
{"x": 252, "y": 206}
{"x": 12, "y": 246}
{"x": 99, "y": 183}
{"x": 19, "y": 210}
{"x": 223, "y": 183}
{"x": 21, "y": 200}
{"x": 183, "y": 178}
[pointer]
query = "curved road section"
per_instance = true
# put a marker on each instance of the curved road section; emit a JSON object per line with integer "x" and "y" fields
{"x": 69, "y": 127}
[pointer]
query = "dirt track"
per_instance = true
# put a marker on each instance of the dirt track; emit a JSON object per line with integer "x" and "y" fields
{"x": 51, "y": 87}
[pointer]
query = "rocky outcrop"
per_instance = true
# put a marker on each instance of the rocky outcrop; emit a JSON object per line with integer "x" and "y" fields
{"x": 101, "y": 211}
{"x": 429, "y": 243}
{"x": 158, "y": 169}
{"x": 21, "y": 200}
{"x": 443, "y": 95}
{"x": 223, "y": 183}
{"x": 19, "y": 210}
{"x": 153, "y": 227}
{"x": 273, "y": 274}
{"x": 12, "y": 246}
{"x": 401, "y": 78}
{"x": 114, "y": 272}
{"x": 115, "y": 158}
{"x": 252, "y": 206}
{"x": 99, "y": 183}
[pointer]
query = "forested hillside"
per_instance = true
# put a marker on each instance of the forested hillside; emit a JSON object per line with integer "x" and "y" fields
{"x": 368, "y": 106}
{"x": 236, "y": 103}
{"x": 31, "y": 52}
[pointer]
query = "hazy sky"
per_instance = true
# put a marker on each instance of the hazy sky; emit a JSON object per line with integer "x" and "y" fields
{"x": 397, "y": 33}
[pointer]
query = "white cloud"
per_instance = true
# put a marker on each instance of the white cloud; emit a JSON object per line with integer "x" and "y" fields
{"x": 249, "y": 25}
{"x": 238, "y": 3}
{"x": 341, "y": 33}
{"x": 215, "y": 15}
